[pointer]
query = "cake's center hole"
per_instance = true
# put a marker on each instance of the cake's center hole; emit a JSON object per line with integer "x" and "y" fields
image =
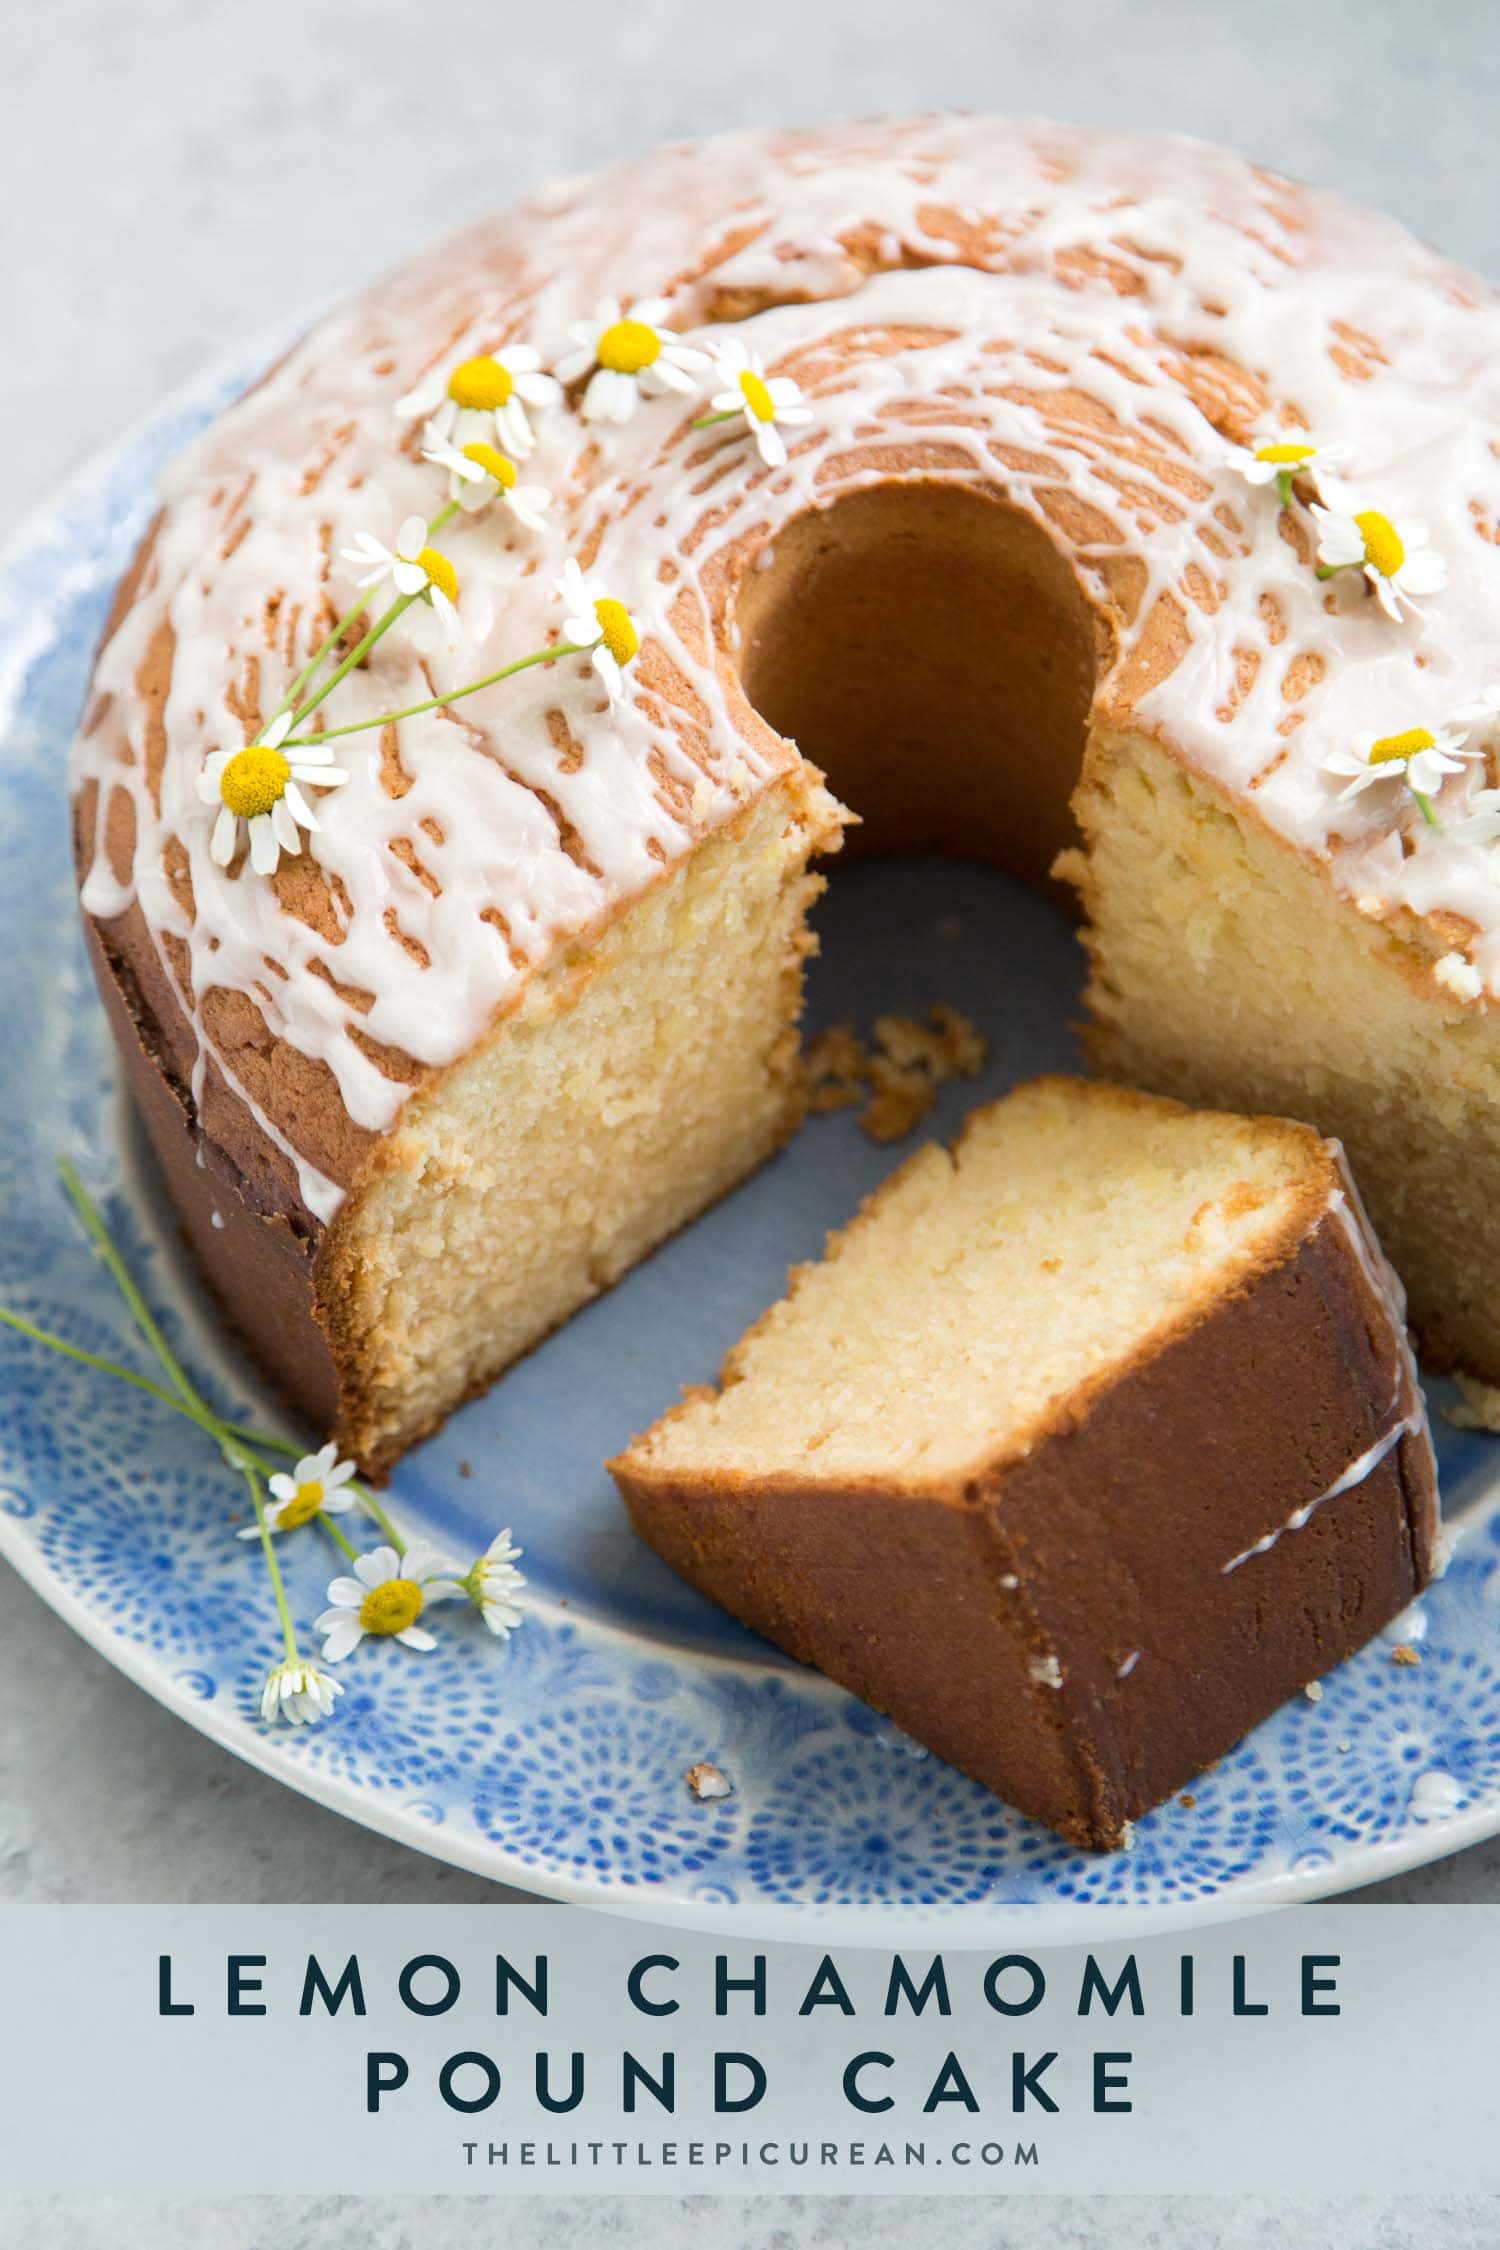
{"x": 928, "y": 647}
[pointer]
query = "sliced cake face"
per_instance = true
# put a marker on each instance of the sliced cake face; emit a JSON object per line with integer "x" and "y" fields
{"x": 1081, "y": 1450}
{"x": 981, "y": 1292}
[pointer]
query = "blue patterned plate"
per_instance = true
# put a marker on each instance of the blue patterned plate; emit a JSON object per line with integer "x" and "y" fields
{"x": 556, "y": 1761}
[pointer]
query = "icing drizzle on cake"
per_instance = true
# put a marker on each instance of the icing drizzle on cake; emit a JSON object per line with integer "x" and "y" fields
{"x": 1089, "y": 322}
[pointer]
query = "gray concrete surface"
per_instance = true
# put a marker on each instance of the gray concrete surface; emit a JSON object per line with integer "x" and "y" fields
{"x": 176, "y": 173}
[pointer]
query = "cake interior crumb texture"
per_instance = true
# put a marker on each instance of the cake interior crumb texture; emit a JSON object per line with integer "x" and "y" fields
{"x": 641, "y": 1079}
{"x": 980, "y": 1289}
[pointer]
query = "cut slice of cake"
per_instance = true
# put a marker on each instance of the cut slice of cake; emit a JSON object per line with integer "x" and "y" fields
{"x": 1084, "y": 1447}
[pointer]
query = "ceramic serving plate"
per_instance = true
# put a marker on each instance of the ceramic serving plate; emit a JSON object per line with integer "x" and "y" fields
{"x": 556, "y": 1761}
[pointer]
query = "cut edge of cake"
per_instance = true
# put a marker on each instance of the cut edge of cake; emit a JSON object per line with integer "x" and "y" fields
{"x": 1090, "y": 1609}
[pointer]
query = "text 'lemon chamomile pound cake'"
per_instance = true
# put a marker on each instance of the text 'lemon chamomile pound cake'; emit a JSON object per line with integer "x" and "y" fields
{"x": 447, "y": 796}
{"x": 1083, "y": 1447}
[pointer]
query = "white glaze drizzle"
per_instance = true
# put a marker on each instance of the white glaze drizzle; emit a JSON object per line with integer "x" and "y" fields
{"x": 1356, "y": 1473}
{"x": 1347, "y": 1212}
{"x": 1046, "y": 328}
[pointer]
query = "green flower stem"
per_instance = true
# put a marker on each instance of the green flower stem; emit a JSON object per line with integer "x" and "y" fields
{"x": 548, "y": 655}
{"x": 268, "y": 1548}
{"x": 310, "y": 669}
{"x": 708, "y": 421}
{"x": 1284, "y": 486}
{"x": 331, "y": 639}
{"x": 357, "y": 655}
{"x": 382, "y": 1520}
{"x": 243, "y": 1449}
{"x": 88, "y": 1212}
{"x": 24, "y": 1327}
{"x": 337, "y": 1536}
{"x": 1426, "y": 806}
{"x": 197, "y": 1409}
{"x": 245, "y": 1440}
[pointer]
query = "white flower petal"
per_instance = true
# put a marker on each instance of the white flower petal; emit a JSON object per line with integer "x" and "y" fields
{"x": 423, "y": 397}
{"x": 347, "y": 1593}
{"x": 664, "y": 375}
{"x": 264, "y": 849}
{"x": 284, "y": 826}
{"x": 344, "y": 1634}
{"x": 375, "y": 1568}
{"x": 599, "y": 398}
{"x": 221, "y": 847}
{"x": 413, "y": 1636}
{"x": 301, "y": 814}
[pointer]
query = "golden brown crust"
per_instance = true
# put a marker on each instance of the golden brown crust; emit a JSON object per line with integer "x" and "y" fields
{"x": 1115, "y": 1522}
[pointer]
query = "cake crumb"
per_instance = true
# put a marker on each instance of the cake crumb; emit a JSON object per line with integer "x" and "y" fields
{"x": 1187, "y": 1800}
{"x": 1046, "y": 1671}
{"x": 1127, "y": 1837}
{"x": 901, "y": 1099}
{"x": 1404, "y": 1653}
{"x": 1344, "y": 1749}
{"x": 466, "y": 1468}
{"x": 1314, "y": 1691}
{"x": 897, "y": 1073}
{"x": 1010, "y": 1581}
{"x": 708, "y": 1781}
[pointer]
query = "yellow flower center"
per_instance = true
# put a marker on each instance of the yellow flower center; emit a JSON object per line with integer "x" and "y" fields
{"x": 756, "y": 396}
{"x": 481, "y": 384}
{"x": 303, "y": 1505}
{"x": 494, "y": 464}
{"x": 440, "y": 572}
{"x": 1394, "y": 749}
{"x": 1284, "y": 456}
{"x": 1383, "y": 549}
{"x": 618, "y": 628}
{"x": 627, "y": 346}
{"x": 254, "y": 780}
{"x": 392, "y": 1607}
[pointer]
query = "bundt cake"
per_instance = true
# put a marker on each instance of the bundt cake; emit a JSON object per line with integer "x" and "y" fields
{"x": 1084, "y": 1447}
{"x": 993, "y": 469}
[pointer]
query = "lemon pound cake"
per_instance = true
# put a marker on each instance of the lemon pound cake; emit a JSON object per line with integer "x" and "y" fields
{"x": 446, "y": 798}
{"x": 1083, "y": 1447}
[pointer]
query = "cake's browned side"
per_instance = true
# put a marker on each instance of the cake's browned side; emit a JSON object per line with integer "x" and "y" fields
{"x": 943, "y": 1607}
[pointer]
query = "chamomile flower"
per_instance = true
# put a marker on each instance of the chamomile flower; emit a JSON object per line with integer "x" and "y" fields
{"x": 485, "y": 400}
{"x": 595, "y": 621}
{"x": 769, "y": 404}
{"x": 1394, "y": 557}
{"x": 479, "y": 473}
{"x": 299, "y": 1693}
{"x": 1418, "y": 756}
{"x": 414, "y": 569}
{"x": 314, "y": 1487}
{"x": 492, "y": 1584}
{"x": 386, "y": 1596}
{"x": 631, "y": 355}
{"x": 262, "y": 786}
{"x": 1280, "y": 459}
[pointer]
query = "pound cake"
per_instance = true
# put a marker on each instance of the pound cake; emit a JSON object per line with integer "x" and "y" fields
{"x": 1083, "y": 1448}
{"x": 1077, "y": 494}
